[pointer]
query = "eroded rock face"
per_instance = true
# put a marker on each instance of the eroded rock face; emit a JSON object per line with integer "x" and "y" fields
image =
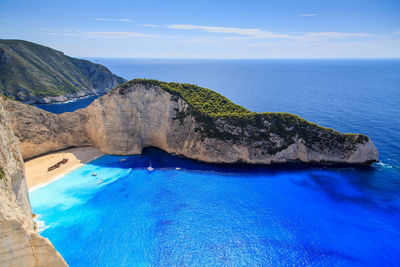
{"x": 40, "y": 132}
{"x": 140, "y": 115}
{"x": 20, "y": 245}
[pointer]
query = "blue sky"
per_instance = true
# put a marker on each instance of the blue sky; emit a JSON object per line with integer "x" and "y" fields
{"x": 208, "y": 29}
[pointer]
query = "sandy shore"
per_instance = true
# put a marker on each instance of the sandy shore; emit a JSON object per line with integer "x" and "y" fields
{"x": 36, "y": 169}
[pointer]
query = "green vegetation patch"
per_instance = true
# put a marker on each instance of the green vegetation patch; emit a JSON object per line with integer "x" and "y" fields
{"x": 202, "y": 100}
{"x": 2, "y": 174}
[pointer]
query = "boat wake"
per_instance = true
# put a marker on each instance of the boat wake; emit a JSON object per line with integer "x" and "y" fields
{"x": 382, "y": 165}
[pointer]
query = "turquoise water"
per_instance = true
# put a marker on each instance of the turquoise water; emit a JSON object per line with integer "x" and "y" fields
{"x": 211, "y": 215}
{"x": 207, "y": 215}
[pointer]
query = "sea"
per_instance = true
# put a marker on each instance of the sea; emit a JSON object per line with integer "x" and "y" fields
{"x": 187, "y": 213}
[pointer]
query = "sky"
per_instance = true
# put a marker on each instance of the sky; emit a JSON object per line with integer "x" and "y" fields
{"x": 234, "y": 29}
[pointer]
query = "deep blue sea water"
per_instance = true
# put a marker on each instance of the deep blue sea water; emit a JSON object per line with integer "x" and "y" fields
{"x": 207, "y": 215}
{"x": 70, "y": 106}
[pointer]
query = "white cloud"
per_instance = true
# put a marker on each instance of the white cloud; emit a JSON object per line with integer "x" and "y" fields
{"x": 117, "y": 35}
{"x": 72, "y": 34}
{"x": 397, "y": 32}
{"x": 309, "y": 15}
{"x": 333, "y": 35}
{"x": 17, "y": 20}
{"x": 257, "y": 33}
{"x": 308, "y": 44}
{"x": 114, "y": 20}
{"x": 149, "y": 25}
{"x": 198, "y": 40}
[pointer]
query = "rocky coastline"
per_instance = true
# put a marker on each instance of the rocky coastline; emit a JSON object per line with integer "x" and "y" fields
{"x": 176, "y": 118}
{"x": 36, "y": 74}
{"x": 142, "y": 113}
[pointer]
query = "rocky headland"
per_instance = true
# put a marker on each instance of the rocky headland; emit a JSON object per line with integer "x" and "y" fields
{"x": 187, "y": 120}
{"x": 33, "y": 73}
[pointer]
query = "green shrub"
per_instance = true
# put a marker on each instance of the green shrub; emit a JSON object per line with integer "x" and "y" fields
{"x": 2, "y": 174}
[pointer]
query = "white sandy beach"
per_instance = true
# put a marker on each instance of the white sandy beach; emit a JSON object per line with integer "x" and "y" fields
{"x": 36, "y": 169}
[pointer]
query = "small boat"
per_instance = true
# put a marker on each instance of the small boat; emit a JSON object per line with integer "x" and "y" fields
{"x": 150, "y": 168}
{"x": 94, "y": 174}
{"x": 177, "y": 168}
{"x": 52, "y": 168}
{"x": 57, "y": 165}
{"x": 99, "y": 182}
{"x": 122, "y": 159}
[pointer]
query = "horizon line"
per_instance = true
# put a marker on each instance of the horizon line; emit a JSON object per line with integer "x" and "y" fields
{"x": 271, "y": 58}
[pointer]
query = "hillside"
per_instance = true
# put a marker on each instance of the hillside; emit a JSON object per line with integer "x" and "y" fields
{"x": 34, "y": 73}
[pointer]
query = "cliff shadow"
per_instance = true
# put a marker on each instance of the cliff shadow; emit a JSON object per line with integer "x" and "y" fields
{"x": 159, "y": 159}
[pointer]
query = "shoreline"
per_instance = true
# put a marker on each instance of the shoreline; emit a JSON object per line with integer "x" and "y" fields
{"x": 36, "y": 172}
{"x": 53, "y": 101}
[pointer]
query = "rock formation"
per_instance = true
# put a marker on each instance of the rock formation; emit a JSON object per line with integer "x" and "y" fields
{"x": 33, "y": 73}
{"x": 186, "y": 120}
{"x": 20, "y": 245}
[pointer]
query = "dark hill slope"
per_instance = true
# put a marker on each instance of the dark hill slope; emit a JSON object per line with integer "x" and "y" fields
{"x": 34, "y": 73}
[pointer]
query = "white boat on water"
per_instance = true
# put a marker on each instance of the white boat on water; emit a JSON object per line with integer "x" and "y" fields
{"x": 150, "y": 168}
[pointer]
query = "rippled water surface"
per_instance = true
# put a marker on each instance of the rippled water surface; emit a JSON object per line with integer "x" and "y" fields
{"x": 219, "y": 215}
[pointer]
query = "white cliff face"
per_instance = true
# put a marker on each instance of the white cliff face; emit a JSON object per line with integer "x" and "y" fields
{"x": 141, "y": 115}
{"x": 130, "y": 123}
{"x": 146, "y": 115}
{"x": 20, "y": 245}
{"x": 40, "y": 132}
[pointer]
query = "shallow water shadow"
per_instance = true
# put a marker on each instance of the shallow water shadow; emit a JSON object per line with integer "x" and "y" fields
{"x": 351, "y": 190}
{"x": 159, "y": 159}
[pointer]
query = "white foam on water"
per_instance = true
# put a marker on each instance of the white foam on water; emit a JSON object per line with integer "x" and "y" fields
{"x": 382, "y": 165}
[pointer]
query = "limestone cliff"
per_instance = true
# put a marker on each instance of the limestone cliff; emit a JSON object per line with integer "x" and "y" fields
{"x": 40, "y": 132}
{"x": 20, "y": 245}
{"x": 187, "y": 120}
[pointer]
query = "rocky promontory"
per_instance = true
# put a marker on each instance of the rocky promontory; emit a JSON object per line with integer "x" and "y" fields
{"x": 187, "y": 120}
{"x": 33, "y": 73}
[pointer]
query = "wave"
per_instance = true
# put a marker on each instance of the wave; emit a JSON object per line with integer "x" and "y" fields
{"x": 41, "y": 226}
{"x": 382, "y": 165}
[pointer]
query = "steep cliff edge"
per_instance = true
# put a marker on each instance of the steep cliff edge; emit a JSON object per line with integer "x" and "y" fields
{"x": 187, "y": 120}
{"x": 20, "y": 245}
{"x": 34, "y": 73}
